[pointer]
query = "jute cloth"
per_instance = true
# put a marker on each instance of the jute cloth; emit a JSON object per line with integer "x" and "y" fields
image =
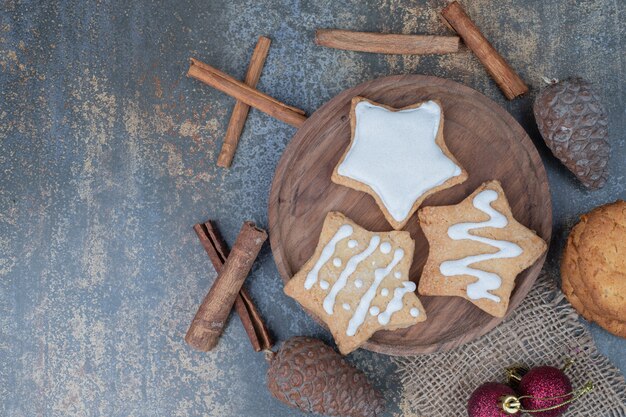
{"x": 543, "y": 330}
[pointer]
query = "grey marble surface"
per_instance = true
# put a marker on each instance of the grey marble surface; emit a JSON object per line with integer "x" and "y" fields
{"x": 107, "y": 158}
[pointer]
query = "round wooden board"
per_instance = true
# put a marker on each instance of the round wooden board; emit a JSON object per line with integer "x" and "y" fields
{"x": 484, "y": 138}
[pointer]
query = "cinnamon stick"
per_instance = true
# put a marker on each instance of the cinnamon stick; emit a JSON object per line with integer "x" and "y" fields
{"x": 250, "y": 96}
{"x": 240, "y": 111}
{"x": 507, "y": 79}
{"x": 209, "y": 321}
{"x": 217, "y": 250}
{"x": 384, "y": 43}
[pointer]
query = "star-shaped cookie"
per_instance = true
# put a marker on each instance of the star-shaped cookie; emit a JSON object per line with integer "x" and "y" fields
{"x": 477, "y": 249}
{"x": 398, "y": 156}
{"x": 357, "y": 282}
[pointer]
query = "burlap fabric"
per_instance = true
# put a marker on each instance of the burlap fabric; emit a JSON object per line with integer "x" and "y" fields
{"x": 543, "y": 330}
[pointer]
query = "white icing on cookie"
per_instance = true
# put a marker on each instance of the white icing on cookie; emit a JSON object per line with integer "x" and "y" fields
{"x": 385, "y": 247}
{"x": 374, "y": 310}
{"x": 364, "y": 304}
{"x": 487, "y": 281}
{"x": 351, "y": 265}
{"x": 328, "y": 251}
{"x": 397, "y": 274}
{"x": 395, "y": 154}
{"x": 337, "y": 262}
{"x": 352, "y": 243}
{"x": 384, "y": 292}
{"x": 358, "y": 283}
{"x": 346, "y": 306}
{"x": 396, "y": 302}
{"x": 414, "y": 312}
{"x": 324, "y": 285}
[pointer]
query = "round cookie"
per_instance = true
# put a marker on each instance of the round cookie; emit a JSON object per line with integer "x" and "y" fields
{"x": 570, "y": 274}
{"x": 613, "y": 326}
{"x": 593, "y": 267}
{"x": 603, "y": 259}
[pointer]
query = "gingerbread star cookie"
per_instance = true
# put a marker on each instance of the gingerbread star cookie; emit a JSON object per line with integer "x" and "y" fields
{"x": 477, "y": 249}
{"x": 398, "y": 156}
{"x": 357, "y": 282}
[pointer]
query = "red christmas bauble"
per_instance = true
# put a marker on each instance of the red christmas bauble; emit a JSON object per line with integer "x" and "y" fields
{"x": 543, "y": 382}
{"x": 486, "y": 400}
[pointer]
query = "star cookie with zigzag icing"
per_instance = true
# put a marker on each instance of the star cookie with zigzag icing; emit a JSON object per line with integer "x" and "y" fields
{"x": 477, "y": 249}
{"x": 357, "y": 282}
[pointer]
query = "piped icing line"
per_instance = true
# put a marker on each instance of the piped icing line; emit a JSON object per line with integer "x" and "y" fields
{"x": 396, "y": 302}
{"x": 364, "y": 304}
{"x": 328, "y": 251}
{"x": 487, "y": 281}
{"x": 351, "y": 265}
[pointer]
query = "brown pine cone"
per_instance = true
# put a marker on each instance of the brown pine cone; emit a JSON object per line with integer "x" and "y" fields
{"x": 573, "y": 123}
{"x": 307, "y": 374}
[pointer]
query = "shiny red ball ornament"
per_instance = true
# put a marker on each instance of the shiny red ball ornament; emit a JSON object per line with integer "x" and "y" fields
{"x": 541, "y": 384}
{"x": 486, "y": 400}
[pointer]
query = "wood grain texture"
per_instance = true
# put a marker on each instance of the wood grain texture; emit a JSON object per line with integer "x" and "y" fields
{"x": 507, "y": 79}
{"x": 242, "y": 92}
{"x": 241, "y": 109}
{"x": 386, "y": 43}
{"x": 485, "y": 139}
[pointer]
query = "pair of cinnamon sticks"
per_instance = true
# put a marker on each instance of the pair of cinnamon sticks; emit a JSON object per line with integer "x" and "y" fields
{"x": 247, "y": 96}
{"x": 507, "y": 79}
{"x": 232, "y": 269}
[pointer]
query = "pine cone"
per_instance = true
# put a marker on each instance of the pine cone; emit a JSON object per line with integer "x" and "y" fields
{"x": 573, "y": 123}
{"x": 307, "y": 374}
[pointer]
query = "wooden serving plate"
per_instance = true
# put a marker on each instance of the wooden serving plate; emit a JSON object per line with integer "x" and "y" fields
{"x": 484, "y": 138}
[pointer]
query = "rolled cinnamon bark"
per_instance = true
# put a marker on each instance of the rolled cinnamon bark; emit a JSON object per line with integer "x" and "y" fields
{"x": 242, "y": 92}
{"x": 386, "y": 43}
{"x": 209, "y": 321}
{"x": 240, "y": 111}
{"x": 252, "y": 322}
{"x": 507, "y": 79}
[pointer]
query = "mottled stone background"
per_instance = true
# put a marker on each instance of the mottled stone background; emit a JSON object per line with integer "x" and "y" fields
{"x": 107, "y": 158}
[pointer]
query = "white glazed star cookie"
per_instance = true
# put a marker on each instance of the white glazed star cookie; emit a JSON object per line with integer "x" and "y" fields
{"x": 357, "y": 282}
{"x": 477, "y": 249}
{"x": 398, "y": 156}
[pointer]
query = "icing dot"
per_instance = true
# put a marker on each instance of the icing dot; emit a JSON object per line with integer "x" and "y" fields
{"x": 324, "y": 285}
{"x": 346, "y": 306}
{"x": 373, "y": 263}
{"x": 384, "y": 292}
{"x": 352, "y": 243}
{"x": 337, "y": 262}
{"x": 385, "y": 247}
{"x": 414, "y": 312}
{"x": 374, "y": 311}
{"x": 358, "y": 283}
{"x": 397, "y": 274}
